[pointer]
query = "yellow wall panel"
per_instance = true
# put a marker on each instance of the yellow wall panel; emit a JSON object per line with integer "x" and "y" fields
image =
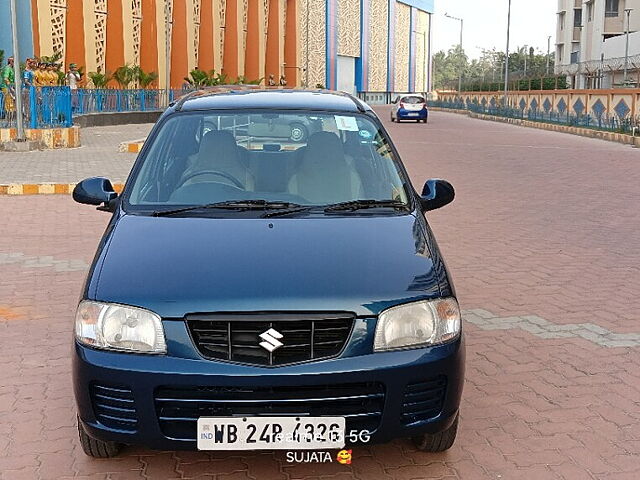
{"x": 349, "y": 28}
{"x": 401, "y": 49}
{"x": 378, "y": 43}
{"x": 313, "y": 41}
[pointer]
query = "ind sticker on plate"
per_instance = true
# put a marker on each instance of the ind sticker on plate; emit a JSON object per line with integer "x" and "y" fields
{"x": 346, "y": 123}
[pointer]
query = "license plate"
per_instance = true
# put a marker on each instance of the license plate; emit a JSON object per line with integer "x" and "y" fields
{"x": 413, "y": 114}
{"x": 270, "y": 433}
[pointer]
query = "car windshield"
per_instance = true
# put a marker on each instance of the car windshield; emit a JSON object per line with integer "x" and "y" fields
{"x": 301, "y": 158}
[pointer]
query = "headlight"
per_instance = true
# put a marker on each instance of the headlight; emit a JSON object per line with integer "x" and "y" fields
{"x": 117, "y": 327}
{"x": 418, "y": 324}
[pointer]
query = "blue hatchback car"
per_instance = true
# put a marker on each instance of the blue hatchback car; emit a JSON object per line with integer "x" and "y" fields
{"x": 254, "y": 292}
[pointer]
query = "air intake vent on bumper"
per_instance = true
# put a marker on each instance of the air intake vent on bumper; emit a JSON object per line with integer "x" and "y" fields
{"x": 423, "y": 400}
{"x": 114, "y": 406}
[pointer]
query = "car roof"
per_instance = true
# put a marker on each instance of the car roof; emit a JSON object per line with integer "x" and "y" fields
{"x": 239, "y": 97}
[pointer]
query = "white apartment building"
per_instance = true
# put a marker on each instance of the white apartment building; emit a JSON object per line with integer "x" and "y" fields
{"x": 591, "y": 42}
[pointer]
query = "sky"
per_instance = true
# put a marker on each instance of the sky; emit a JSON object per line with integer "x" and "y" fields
{"x": 485, "y": 24}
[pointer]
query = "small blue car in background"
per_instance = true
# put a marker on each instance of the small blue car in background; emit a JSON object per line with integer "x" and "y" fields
{"x": 254, "y": 292}
{"x": 409, "y": 107}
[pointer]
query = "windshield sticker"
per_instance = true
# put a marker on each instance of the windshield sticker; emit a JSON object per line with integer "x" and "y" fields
{"x": 365, "y": 134}
{"x": 346, "y": 123}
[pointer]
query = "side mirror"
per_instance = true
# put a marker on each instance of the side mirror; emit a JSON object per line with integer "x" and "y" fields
{"x": 436, "y": 194}
{"x": 94, "y": 191}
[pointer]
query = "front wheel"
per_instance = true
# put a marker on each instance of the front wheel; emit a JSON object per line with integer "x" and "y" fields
{"x": 438, "y": 442}
{"x": 96, "y": 448}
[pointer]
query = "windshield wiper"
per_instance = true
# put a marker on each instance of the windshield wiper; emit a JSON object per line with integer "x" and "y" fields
{"x": 293, "y": 209}
{"x": 230, "y": 205}
{"x": 364, "y": 204}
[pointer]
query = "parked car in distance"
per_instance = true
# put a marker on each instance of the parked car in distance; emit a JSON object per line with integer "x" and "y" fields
{"x": 271, "y": 294}
{"x": 409, "y": 107}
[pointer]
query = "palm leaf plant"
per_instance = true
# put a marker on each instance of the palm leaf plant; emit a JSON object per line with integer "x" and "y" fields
{"x": 99, "y": 80}
{"x": 125, "y": 75}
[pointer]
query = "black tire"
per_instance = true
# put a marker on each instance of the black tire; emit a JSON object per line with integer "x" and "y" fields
{"x": 438, "y": 442}
{"x": 97, "y": 448}
{"x": 299, "y": 133}
{"x": 392, "y": 119}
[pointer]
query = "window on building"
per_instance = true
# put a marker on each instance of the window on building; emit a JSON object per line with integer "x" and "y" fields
{"x": 612, "y": 8}
{"x": 590, "y": 12}
{"x": 561, "y": 20}
{"x": 577, "y": 17}
{"x": 559, "y": 54}
{"x": 575, "y": 57}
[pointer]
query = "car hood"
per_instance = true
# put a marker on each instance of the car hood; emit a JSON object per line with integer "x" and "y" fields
{"x": 175, "y": 266}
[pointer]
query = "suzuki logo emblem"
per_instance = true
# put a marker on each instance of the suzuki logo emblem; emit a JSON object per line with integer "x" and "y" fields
{"x": 271, "y": 340}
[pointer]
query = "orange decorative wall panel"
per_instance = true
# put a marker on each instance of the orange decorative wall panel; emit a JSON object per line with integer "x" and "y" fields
{"x": 179, "y": 45}
{"x": 149, "y": 37}
{"x": 115, "y": 36}
{"x": 292, "y": 52}
{"x": 206, "y": 56}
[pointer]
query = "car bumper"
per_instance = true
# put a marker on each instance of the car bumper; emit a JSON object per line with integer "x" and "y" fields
{"x": 411, "y": 114}
{"x": 405, "y": 393}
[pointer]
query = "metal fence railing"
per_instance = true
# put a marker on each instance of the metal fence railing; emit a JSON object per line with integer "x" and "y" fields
{"x": 42, "y": 107}
{"x": 115, "y": 100}
{"x": 612, "y": 123}
{"x": 50, "y": 107}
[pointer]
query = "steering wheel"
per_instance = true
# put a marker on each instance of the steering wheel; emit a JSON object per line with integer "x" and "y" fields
{"x": 231, "y": 178}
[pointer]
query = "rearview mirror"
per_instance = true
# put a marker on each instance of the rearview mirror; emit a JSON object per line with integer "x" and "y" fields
{"x": 436, "y": 194}
{"x": 94, "y": 191}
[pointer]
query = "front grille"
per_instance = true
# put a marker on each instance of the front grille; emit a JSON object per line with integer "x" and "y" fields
{"x": 423, "y": 400}
{"x": 237, "y": 338}
{"x": 114, "y": 407}
{"x": 178, "y": 408}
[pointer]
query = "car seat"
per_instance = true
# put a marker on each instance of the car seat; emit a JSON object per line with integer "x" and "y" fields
{"x": 324, "y": 175}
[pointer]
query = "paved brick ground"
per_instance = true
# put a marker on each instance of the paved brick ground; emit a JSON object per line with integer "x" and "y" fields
{"x": 542, "y": 239}
{"x": 98, "y": 156}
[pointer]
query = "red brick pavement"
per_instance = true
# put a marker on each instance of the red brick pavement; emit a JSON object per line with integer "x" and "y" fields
{"x": 545, "y": 224}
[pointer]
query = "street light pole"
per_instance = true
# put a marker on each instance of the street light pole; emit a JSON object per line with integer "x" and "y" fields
{"x": 626, "y": 50}
{"x": 167, "y": 47}
{"x": 461, "y": 50}
{"x": 16, "y": 72}
{"x": 548, "y": 53}
{"x": 506, "y": 60}
{"x": 526, "y": 56}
